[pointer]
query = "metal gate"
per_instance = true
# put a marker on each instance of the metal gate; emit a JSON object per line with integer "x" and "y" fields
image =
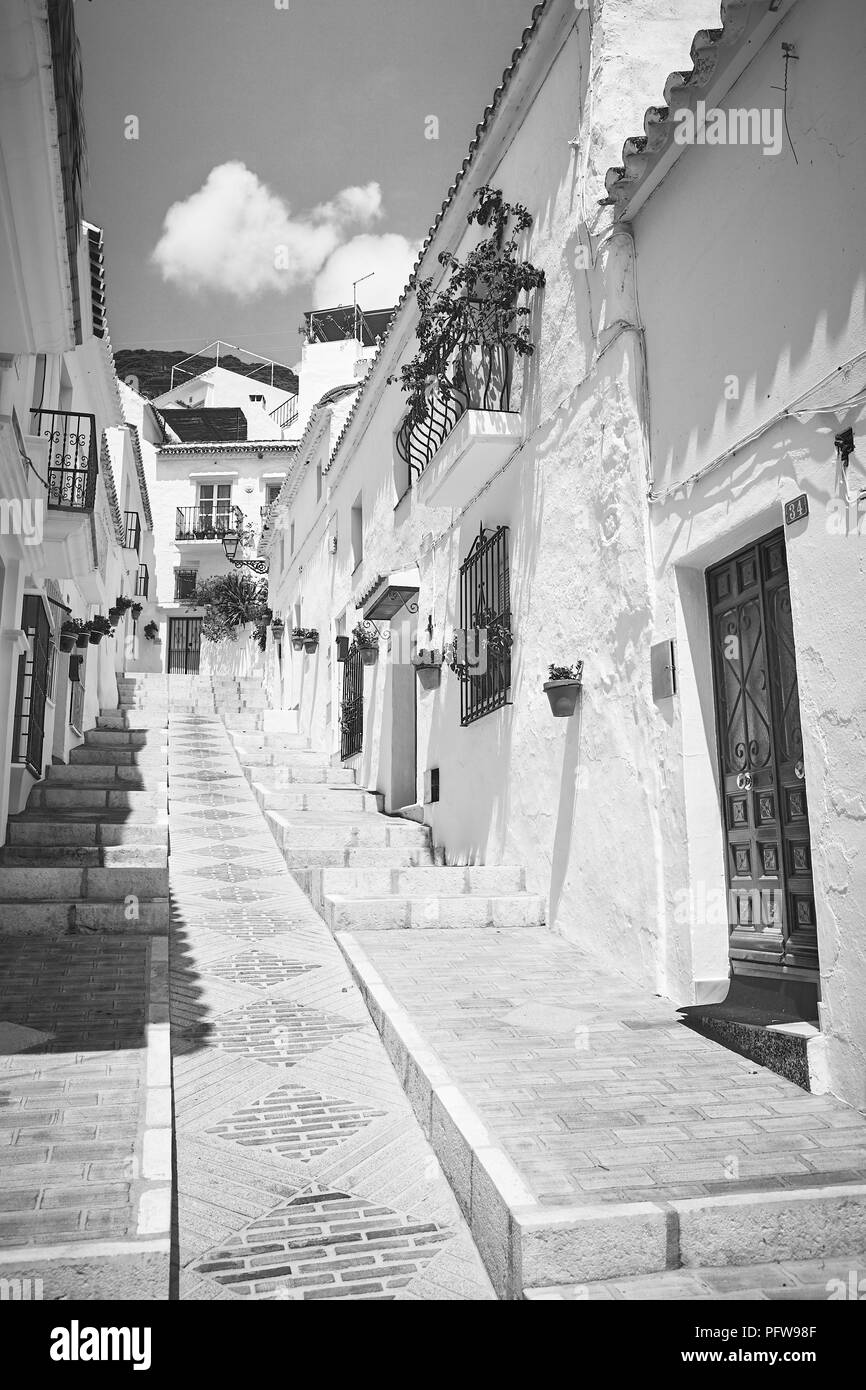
{"x": 771, "y": 904}
{"x": 32, "y": 689}
{"x": 184, "y": 646}
{"x": 352, "y": 709}
{"x": 485, "y": 606}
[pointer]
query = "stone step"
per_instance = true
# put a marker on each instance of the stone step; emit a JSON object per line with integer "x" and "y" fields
{"x": 149, "y": 856}
{"x": 485, "y": 880}
{"x": 98, "y": 884}
{"x": 71, "y": 918}
{"x": 279, "y": 775}
{"x": 122, "y": 755}
{"x": 125, "y": 738}
{"x": 86, "y": 798}
{"x": 36, "y": 830}
{"x": 130, "y": 719}
{"x": 278, "y": 743}
{"x": 437, "y": 912}
{"x": 293, "y": 757}
{"x": 108, "y": 776}
{"x": 316, "y": 798}
{"x": 400, "y": 856}
{"x": 307, "y": 831}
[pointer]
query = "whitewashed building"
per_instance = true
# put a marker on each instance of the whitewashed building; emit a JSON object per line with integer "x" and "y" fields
{"x": 75, "y": 520}
{"x": 623, "y": 505}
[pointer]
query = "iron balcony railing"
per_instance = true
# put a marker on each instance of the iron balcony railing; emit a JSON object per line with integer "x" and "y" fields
{"x": 205, "y": 523}
{"x": 285, "y": 414}
{"x": 479, "y": 371}
{"x": 131, "y": 531}
{"x": 73, "y": 458}
{"x": 142, "y": 582}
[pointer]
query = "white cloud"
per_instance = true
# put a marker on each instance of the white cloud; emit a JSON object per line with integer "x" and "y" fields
{"x": 390, "y": 257}
{"x": 238, "y": 237}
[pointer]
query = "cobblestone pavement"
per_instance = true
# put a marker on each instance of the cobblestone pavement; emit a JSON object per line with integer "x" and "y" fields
{"x": 593, "y": 1088}
{"x": 301, "y": 1170}
{"x": 73, "y": 1091}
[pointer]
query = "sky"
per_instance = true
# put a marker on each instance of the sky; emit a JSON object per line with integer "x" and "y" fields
{"x": 249, "y": 159}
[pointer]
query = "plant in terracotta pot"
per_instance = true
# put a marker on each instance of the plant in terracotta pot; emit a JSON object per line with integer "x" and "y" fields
{"x": 69, "y": 633}
{"x": 82, "y": 638}
{"x": 311, "y": 640}
{"x": 135, "y": 610}
{"x": 366, "y": 639}
{"x": 122, "y": 603}
{"x": 151, "y": 632}
{"x": 562, "y": 689}
{"x": 115, "y": 614}
{"x": 278, "y": 627}
{"x": 298, "y": 635}
{"x": 428, "y": 667}
{"x": 99, "y": 627}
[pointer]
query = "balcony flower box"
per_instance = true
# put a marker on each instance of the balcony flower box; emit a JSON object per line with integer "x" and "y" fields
{"x": 563, "y": 688}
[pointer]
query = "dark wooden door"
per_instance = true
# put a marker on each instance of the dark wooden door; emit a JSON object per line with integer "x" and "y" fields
{"x": 771, "y": 903}
{"x": 184, "y": 646}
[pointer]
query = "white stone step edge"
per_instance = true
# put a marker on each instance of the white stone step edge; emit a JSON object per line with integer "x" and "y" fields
{"x": 525, "y": 1244}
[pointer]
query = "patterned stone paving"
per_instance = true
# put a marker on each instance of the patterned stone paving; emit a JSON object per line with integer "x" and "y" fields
{"x": 294, "y": 1122}
{"x": 301, "y": 1170}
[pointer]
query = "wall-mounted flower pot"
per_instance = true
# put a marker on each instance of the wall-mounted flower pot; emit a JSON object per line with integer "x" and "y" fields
{"x": 311, "y": 644}
{"x": 298, "y": 644}
{"x": 369, "y": 656}
{"x": 83, "y": 638}
{"x": 562, "y": 696}
{"x": 67, "y": 641}
{"x": 95, "y": 638}
{"x": 199, "y": 533}
{"x": 429, "y": 677}
{"x": 135, "y": 610}
{"x": 114, "y": 616}
{"x": 342, "y": 648}
{"x": 278, "y": 628}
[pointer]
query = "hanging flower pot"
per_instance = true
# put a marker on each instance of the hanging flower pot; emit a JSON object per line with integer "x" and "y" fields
{"x": 95, "y": 637}
{"x": 311, "y": 641}
{"x": 428, "y": 668}
{"x": 342, "y": 648}
{"x": 563, "y": 689}
{"x": 135, "y": 610}
{"x": 298, "y": 635}
{"x": 369, "y": 656}
{"x": 278, "y": 627}
{"x": 114, "y": 616}
{"x": 83, "y": 638}
{"x": 99, "y": 627}
{"x": 67, "y": 641}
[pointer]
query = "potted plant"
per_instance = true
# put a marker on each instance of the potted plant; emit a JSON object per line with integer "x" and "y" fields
{"x": 562, "y": 689}
{"x": 82, "y": 638}
{"x": 114, "y": 614}
{"x": 298, "y": 636}
{"x": 311, "y": 640}
{"x": 69, "y": 633}
{"x": 151, "y": 632}
{"x": 99, "y": 627}
{"x": 122, "y": 604}
{"x": 428, "y": 667}
{"x": 278, "y": 627}
{"x": 366, "y": 639}
{"x": 342, "y": 648}
{"x": 135, "y": 610}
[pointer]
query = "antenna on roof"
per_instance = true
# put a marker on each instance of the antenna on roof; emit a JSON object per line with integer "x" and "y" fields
{"x": 355, "y": 284}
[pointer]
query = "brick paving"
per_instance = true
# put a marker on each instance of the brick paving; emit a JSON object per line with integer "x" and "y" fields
{"x": 72, "y": 1090}
{"x": 301, "y": 1170}
{"x": 593, "y": 1088}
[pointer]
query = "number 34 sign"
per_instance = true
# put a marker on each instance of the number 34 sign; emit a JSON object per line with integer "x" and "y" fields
{"x": 797, "y": 509}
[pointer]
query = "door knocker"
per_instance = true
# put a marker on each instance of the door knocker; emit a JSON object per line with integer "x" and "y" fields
{"x": 799, "y": 770}
{"x": 744, "y": 781}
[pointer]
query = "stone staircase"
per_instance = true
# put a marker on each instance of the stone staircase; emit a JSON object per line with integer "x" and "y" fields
{"x": 360, "y": 867}
{"x": 90, "y": 852}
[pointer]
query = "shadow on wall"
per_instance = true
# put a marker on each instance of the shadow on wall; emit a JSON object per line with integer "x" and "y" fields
{"x": 563, "y": 835}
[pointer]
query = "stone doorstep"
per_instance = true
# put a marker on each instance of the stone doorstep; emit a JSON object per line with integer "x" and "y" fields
{"x": 528, "y": 1245}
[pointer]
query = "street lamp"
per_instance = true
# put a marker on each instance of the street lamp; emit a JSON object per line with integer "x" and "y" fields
{"x": 230, "y": 546}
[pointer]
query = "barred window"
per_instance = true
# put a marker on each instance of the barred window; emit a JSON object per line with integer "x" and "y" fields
{"x": 184, "y": 584}
{"x": 485, "y": 608}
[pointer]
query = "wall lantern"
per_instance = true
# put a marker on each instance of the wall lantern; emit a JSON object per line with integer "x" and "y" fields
{"x": 230, "y": 545}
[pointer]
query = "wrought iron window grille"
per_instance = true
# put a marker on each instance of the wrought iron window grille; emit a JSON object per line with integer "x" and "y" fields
{"x": 485, "y": 606}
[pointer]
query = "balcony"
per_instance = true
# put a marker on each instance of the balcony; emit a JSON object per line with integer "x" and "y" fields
{"x": 131, "y": 531}
{"x": 142, "y": 582}
{"x": 69, "y": 456}
{"x": 464, "y": 437}
{"x": 205, "y": 524}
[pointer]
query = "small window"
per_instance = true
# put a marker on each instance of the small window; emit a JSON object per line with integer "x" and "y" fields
{"x": 357, "y": 532}
{"x": 184, "y": 584}
{"x": 273, "y": 492}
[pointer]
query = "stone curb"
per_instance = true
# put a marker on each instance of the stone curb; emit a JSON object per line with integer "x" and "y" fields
{"x": 528, "y": 1245}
